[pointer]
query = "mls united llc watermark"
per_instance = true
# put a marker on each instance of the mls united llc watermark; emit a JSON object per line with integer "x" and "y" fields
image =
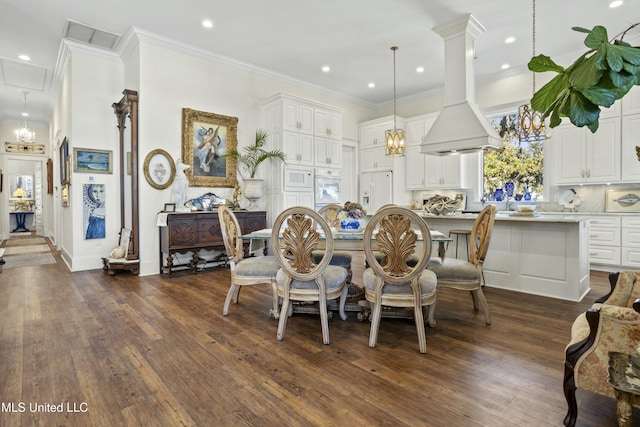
{"x": 21, "y": 407}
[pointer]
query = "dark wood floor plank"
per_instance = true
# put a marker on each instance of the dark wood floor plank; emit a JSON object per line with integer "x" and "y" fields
{"x": 157, "y": 350}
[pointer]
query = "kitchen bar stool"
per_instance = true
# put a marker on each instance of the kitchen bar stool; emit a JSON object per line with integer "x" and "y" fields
{"x": 458, "y": 233}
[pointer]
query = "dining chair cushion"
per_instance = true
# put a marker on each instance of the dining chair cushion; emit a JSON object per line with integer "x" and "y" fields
{"x": 341, "y": 258}
{"x": 412, "y": 259}
{"x": 453, "y": 269}
{"x": 334, "y": 277}
{"x": 427, "y": 280}
{"x": 257, "y": 266}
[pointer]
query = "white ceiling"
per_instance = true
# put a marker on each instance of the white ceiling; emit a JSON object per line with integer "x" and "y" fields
{"x": 295, "y": 38}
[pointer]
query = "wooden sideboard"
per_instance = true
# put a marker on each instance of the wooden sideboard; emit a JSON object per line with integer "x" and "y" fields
{"x": 194, "y": 231}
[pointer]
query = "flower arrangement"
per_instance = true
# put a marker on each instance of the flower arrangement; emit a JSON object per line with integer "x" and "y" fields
{"x": 352, "y": 210}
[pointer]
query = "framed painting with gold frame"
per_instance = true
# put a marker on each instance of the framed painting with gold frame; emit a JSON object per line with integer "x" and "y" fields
{"x": 159, "y": 169}
{"x": 206, "y": 138}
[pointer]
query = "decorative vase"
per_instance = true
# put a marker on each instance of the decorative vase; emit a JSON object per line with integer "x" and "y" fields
{"x": 509, "y": 187}
{"x": 498, "y": 194}
{"x": 350, "y": 224}
{"x": 253, "y": 190}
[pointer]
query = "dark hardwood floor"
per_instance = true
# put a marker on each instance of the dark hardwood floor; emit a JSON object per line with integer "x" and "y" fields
{"x": 156, "y": 351}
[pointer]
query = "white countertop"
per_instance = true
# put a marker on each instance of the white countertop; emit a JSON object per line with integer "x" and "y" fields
{"x": 508, "y": 216}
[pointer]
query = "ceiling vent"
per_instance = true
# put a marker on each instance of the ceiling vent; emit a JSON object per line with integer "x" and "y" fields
{"x": 89, "y": 35}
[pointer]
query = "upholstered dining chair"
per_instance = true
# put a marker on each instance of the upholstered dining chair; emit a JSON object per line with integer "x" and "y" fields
{"x": 396, "y": 283}
{"x": 245, "y": 271}
{"x": 341, "y": 258}
{"x": 467, "y": 275}
{"x": 300, "y": 278}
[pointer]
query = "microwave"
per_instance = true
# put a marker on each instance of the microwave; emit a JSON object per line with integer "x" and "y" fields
{"x": 298, "y": 178}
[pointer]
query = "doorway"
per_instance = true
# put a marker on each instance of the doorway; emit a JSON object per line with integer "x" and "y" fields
{"x": 23, "y": 202}
{"x": 349, "y": 170}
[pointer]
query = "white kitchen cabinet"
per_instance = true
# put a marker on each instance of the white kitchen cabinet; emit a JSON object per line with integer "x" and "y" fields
{"x": 328, "y": 124}
{"x": 375, "y": 159}
{"x": 297, "y": 198}
{"x": 418, "y": 127}
{"x": 298, "y": 148}
{"x": 328, "y": 153}
{"x": 583, "y": 157}
{"x": 373, "y": 135}
{"x": 631, "y": 102}
{"x": 297, "y": 116}
{"x": 630, "y": 251}
{"x": 630, "y": 164}
{"x": 604, "y": 240}
{"x": 442, "y": 171}
{"x": 415, "y": 168}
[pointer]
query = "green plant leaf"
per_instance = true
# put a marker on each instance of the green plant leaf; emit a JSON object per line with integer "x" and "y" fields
{"x": 544, "y": 99}
{"x": 581, "y": 111}
{"x": 542, "y": 63}
{"x": 585, "y": 73}
{"x": 596, "y": 37}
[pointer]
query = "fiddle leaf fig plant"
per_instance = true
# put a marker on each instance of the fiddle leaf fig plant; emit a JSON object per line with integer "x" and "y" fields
{"x": 598, "y": 78}
{"x": 253, "y": 155}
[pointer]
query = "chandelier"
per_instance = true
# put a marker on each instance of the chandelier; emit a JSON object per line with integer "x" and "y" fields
{"x": 25, "y": 134}
{"x": 395, "y": 143}
{"x": 531, "y": 125}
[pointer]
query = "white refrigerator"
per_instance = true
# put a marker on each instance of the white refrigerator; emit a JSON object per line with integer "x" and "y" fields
{"x": 376, "y": 190}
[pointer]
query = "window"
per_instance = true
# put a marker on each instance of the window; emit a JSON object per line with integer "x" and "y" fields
{"x": 517, "y": 162}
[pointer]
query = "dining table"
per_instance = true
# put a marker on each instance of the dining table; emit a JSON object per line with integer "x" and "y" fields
{"x": 347, "y": 240}
{"x": 350, "y": 241}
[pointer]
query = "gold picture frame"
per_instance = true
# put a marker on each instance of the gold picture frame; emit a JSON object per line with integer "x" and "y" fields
{"x": 206, "y": 138}
{"x": 159, "y": 169}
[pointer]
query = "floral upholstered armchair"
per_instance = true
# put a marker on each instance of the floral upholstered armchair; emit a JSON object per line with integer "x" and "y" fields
{"x": 611, "y": 324}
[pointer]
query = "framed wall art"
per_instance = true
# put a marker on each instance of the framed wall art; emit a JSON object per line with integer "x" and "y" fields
{"x": 159, "y": 169}
{"x": 206, "y": 138}
{"x": 89, "y": 160}
{"x": 622, "y": 200}
{"x": 64, "y": 161}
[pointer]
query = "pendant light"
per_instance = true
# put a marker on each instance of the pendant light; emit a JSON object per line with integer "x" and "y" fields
{"x": 25, "y": 134}
{"x": 531, "y": 125}
{"x": 395, "y": 142}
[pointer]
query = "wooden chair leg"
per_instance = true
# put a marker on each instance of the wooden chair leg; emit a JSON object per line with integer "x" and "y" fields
{"x": 282, "y": 321}
{"x": 569, "y": 386}
{"x": 422, "y": 336}
{"x": 274, "y": 292}
{"x": 431, "y": 319}
{"x": 375, "y": 324}
{"x": 479, "y": 296}
{"x": 227, "y": 301}
{"x": 324, "y": 319}
{"x": 343, "y": 299}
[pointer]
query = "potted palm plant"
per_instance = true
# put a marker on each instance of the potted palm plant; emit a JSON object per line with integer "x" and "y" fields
{"x": 249, "y": 160}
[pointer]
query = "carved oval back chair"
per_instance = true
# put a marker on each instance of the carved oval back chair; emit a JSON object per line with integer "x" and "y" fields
{"x": 396, "y": 283}
{"x": 300, "y": 278}
{"x": 341, "y": 258}
{"x": 467, "y": 275}
{"x": 245, "y": 271}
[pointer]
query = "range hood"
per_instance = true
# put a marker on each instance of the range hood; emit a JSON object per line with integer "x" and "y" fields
{"x": 460, "y": 127}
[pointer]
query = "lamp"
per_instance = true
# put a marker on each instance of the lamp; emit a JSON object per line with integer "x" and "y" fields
{"x": 25, "y": 134}
{"x": 19, "y": 193}
{"x": 395, "y": 143}
{"x": 531, "y": 126}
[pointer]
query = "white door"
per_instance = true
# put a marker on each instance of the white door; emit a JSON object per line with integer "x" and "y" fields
{"x": 349, "y": 172}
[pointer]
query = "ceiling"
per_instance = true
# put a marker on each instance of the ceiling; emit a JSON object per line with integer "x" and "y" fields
{"x": 296, "y": 38}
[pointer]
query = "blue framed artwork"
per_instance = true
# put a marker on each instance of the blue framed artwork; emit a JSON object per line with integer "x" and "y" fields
{"x": 89, "y": 160}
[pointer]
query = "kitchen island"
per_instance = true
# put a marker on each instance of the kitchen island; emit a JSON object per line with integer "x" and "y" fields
{"x": 544, "y": 255}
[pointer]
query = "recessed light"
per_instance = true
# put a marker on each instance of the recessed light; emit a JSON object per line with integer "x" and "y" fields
{"x": 420, "y": 70}
{"x": 372, "y": 85}
{"x": 24, "y": 57}
{"x": 509, "y": 40}
{"x": 207, "y": 23}
{"x": 326, "y": 69}
{"x": 25, "y": 114}
{"x": 615, "y": 4}
{"x": 505, "y": 66}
